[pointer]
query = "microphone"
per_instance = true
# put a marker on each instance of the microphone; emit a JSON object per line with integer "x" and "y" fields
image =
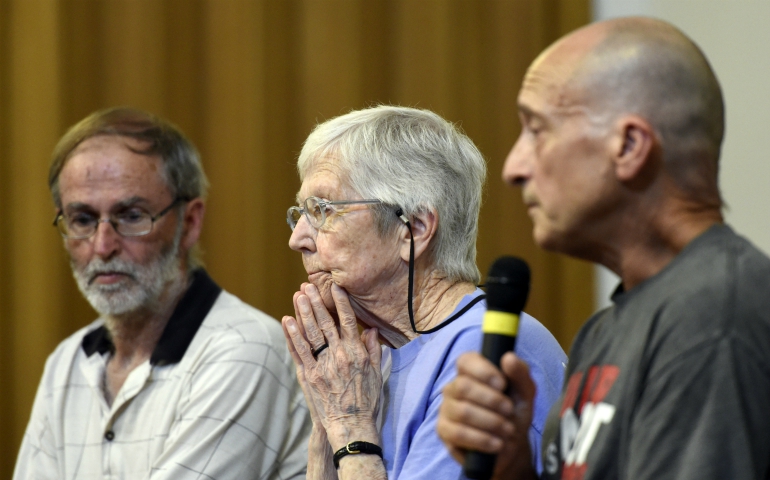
{"x": 507, "y": 290}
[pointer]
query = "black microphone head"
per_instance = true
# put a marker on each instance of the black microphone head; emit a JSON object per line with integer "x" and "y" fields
{"x": 507, "y": 285}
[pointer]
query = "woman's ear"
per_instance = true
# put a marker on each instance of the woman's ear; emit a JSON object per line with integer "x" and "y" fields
{"x": 424, "y": 226}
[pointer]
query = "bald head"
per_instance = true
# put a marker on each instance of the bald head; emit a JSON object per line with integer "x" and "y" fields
{"x": 649, "y": 68}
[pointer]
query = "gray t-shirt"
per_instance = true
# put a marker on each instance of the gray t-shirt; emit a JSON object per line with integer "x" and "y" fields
{"x": 673, "y": 380}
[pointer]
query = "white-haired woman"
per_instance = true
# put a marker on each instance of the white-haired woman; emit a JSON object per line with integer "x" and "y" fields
{"x": 386, "y": 223}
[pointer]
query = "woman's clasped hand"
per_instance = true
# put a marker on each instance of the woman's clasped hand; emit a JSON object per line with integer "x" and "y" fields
{"x": 342, "y": 385}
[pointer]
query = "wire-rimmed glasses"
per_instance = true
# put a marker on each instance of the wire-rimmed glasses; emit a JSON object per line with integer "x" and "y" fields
{"x": 315, "y": 210}
{"x": 132, "y": 222}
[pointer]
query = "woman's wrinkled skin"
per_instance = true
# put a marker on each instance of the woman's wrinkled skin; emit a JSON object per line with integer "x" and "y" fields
{"x": 348, "y": 252}
{"x": 341, "y": 386}
{"x": 355, "y": 277}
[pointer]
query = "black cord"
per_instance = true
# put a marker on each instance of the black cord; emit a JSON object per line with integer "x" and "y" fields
{"x": 410, "y": 293}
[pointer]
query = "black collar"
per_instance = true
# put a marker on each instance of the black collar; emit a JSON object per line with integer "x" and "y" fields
{"x": 181, "y": 328}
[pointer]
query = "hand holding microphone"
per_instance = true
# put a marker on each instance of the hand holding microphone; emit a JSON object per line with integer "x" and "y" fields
{"x": 507, "y": 290}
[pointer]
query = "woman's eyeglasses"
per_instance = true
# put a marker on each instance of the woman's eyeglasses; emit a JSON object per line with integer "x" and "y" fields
{"x": 316, "y": 210}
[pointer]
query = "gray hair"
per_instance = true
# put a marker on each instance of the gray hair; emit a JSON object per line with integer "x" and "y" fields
{"x": 414, "y": 160}
{"x": 182, "y": 169}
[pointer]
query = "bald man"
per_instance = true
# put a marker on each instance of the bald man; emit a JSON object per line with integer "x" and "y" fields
{"x": 622, "y": 123}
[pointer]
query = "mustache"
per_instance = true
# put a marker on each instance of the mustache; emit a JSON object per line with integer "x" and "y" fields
{"x": 114, "y": 266}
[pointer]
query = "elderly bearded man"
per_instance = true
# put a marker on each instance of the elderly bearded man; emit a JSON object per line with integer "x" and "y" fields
{"x": 177, "y": 378}
{"x": 622, "y": 123}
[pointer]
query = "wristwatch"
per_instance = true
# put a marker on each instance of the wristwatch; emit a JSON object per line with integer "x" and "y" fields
{"x": 354, "y": 448}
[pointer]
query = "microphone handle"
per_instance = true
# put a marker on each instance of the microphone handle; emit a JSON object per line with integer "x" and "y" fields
{"x": 480, "y": 466}
{"x": 494, "y": 346}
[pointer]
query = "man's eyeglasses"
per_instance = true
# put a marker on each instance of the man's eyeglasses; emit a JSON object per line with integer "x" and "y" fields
{"x": 132, "y": 222}
{"x": 316, "y": 210}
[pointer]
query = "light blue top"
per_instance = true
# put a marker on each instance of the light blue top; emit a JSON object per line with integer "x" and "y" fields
{"x": 421, "y": 369}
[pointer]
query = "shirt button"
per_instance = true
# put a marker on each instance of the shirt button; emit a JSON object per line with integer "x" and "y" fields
{"x": 109, "y": 435}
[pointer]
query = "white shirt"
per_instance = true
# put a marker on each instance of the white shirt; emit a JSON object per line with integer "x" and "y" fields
{"x": 218, "y": 399}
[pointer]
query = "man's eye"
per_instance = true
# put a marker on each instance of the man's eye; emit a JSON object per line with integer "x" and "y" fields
{"x": 81, "y": 220}
{"x": 131, "y": 216}
{"x": 534, "y": 129}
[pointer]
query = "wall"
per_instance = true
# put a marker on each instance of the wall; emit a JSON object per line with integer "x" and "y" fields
{"x": 247, "y": 80}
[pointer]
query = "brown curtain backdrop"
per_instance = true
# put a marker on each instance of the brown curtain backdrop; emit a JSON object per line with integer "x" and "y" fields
{"x": 247, "y": 80}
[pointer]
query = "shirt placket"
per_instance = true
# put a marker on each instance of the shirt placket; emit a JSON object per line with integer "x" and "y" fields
{"x": 113, "y": 458}
{"x": 118, "y": 435}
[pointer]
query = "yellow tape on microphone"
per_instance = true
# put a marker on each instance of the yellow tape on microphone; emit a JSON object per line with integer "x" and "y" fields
{"x": 500, "y": 323}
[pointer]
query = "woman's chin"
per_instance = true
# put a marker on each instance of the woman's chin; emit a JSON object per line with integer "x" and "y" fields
{"x": 323, "y": 282}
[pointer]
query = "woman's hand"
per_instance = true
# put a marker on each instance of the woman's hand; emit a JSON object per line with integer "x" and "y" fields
{"x": 342, "y": 383}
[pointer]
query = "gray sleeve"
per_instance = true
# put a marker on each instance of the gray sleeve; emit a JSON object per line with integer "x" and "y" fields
{"x": 703, "y": 416}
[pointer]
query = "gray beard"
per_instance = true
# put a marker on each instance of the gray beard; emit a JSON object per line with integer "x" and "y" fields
{"x": 140, "y": 290}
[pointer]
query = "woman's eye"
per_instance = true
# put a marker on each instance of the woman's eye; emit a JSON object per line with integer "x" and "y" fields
{"x": 316, "y": 209}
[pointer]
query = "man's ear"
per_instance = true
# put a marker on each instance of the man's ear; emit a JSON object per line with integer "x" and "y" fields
{"x": 635, "y": 140}
{"x": 424, "y": 228}
{"x": 193, "y": 222}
